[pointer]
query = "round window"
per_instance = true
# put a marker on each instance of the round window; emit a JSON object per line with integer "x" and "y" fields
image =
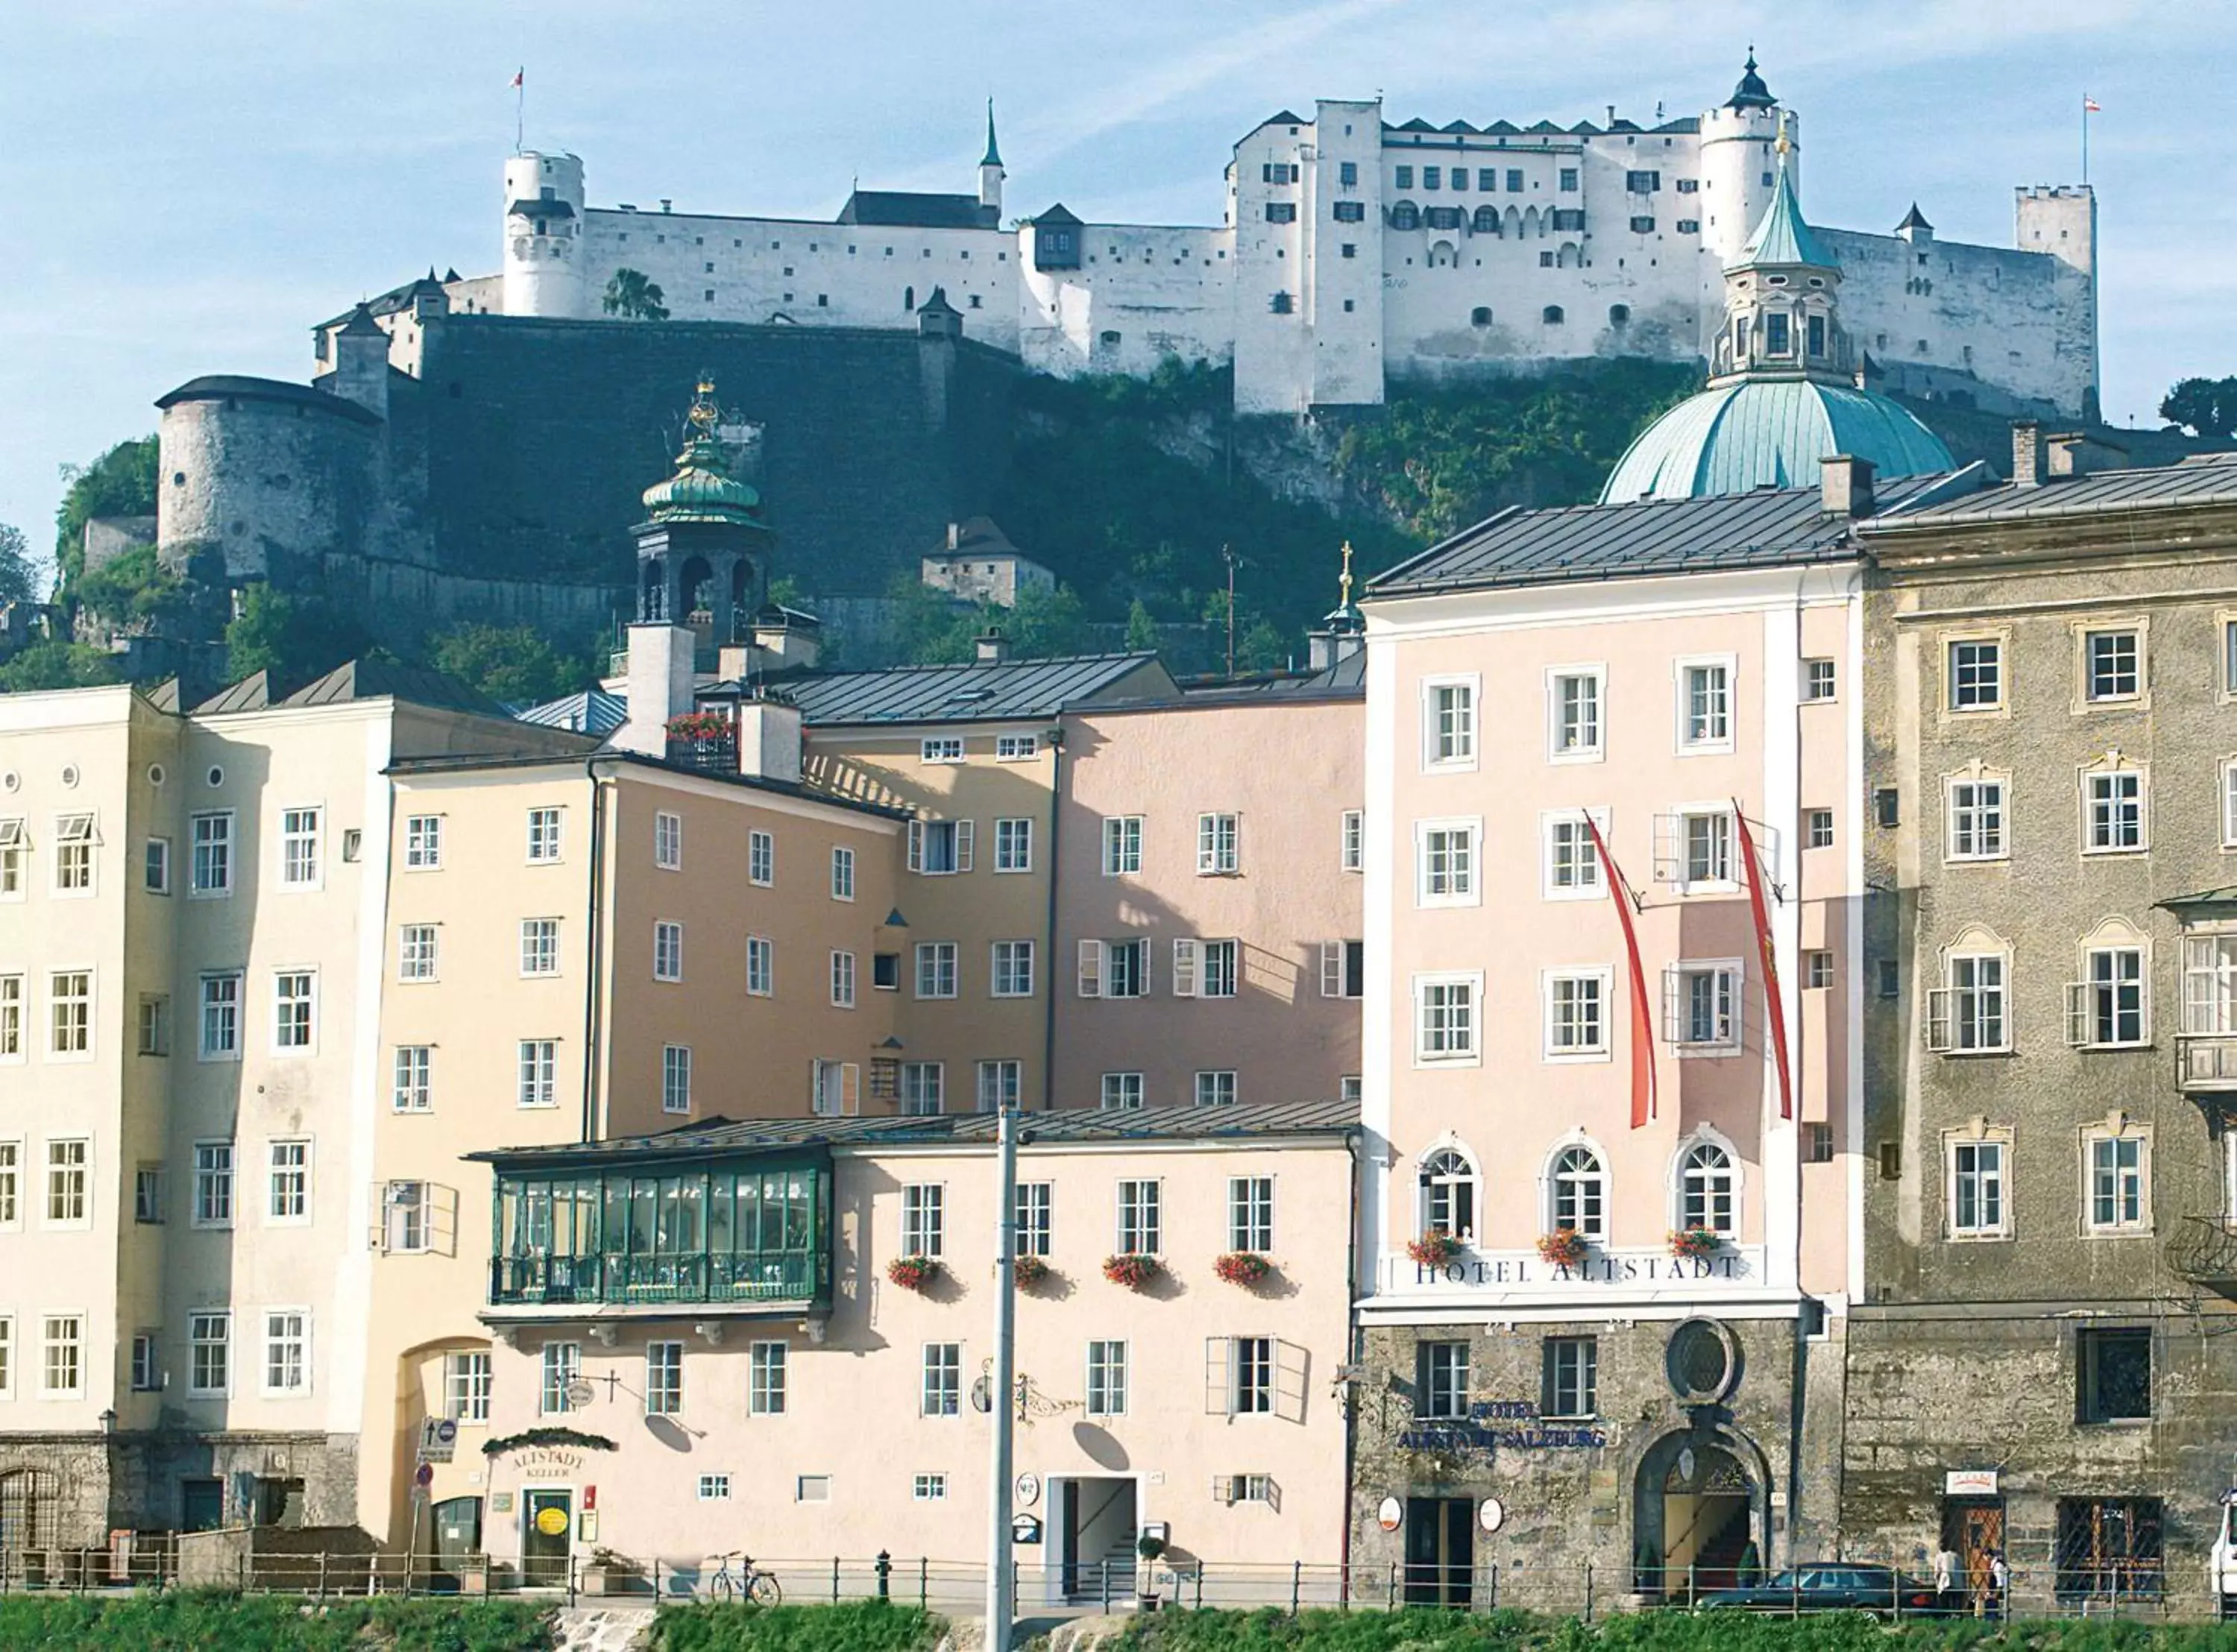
{"x": 155, "y": 775}
{"x": 216, "y": 776}
{"x": 69, "y": 775}
{"x": 11, "y": 780}
{"x": 1704, "y": 1362}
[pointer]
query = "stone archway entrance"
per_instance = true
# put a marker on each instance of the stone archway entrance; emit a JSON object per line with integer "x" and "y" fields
{"x": 1695, "y": 1517}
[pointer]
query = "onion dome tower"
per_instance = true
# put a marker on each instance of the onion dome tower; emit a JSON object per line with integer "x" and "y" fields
{"x": 702, "y": 550}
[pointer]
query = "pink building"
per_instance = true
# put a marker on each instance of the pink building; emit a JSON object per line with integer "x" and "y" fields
{"x": 1208, "y": 919}
{"x": 1669, "y": 670}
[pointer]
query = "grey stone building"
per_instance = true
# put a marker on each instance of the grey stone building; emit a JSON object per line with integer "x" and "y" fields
{"x": 2041, "y": 1360}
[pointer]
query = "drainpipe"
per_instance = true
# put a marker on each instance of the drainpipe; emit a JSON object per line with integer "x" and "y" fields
{"x": 1050, "y": 975}
{"x": 594, "y": 946}
{"x": 1354, "y": 1342}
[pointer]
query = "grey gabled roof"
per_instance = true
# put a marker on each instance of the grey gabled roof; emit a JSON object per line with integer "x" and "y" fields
{"x": 915, "y": 209}
{"x": 976, "y": 691}
{"x": 593, "y": 710}
{"x": 1329, "y": 1119}
{"x": 378, "y": 679}
{"x": 1766, "y": 527}
{"x": 2201, "y": 479}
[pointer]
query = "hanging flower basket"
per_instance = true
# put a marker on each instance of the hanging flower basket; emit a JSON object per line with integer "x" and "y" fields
{"x": 913, "y": 1272}
{"x": 1434, "y": 1248}
{"x": 1132, "y": 1271}
{"x": 704, "y": 728}
{"x": 1243, "y": 1267}
{"x": 1028, "y": 1270}
{"x": 1563, "y": 1247}
{"x": 1691, "y": 1243}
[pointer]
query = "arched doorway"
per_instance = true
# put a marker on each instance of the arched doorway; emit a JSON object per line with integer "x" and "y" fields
{"x": 1696, "y": 1517}
{"x": 652, "y": 596}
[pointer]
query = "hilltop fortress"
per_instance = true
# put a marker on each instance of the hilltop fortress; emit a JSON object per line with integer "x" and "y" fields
{"x": 472, "y": 447}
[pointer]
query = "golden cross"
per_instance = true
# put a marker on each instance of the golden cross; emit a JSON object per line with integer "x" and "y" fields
{"x": 1345, "y": 583}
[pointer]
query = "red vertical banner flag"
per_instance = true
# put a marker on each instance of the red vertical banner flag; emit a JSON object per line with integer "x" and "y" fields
{"x": 1774, "y": 1001}
{"x": 1642, "y": 1019}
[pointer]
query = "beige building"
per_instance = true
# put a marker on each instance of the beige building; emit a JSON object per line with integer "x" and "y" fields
{"x": 712, "y": 1315}
{"x": 1208, "y": 923}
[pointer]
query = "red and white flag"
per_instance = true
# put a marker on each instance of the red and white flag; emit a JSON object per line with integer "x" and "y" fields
{"x": 2090, "y": 106}
{"x": 1773, "y": 999}
{"x": 520, "y": 79}
{"x": 1642, "y": 1021}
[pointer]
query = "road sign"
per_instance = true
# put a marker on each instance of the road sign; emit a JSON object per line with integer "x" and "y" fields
{"x": 424, "y": 1475}
{"x": 438, "y": 1439}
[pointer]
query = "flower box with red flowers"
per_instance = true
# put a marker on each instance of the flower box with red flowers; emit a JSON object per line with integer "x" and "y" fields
{"x": 701, "y": 726}
{"x": 1028, "y": 1270}
{"x": 913, "y": 1272}
{"x": 1434, "y": 1248}
{"x": 1692, "y": 1243}
{"x": 1563, "y": 1247}
{"x": 1132, "y": 1271}
{"x": 1243, "y": 1267}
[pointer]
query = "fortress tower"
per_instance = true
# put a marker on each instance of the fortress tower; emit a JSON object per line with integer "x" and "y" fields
{"x": 545, "y": 273}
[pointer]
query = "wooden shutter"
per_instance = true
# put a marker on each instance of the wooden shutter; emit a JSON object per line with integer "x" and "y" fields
{"x": 1331, "y": 969}
{"x": 1293, "y": 1366}
{"x": 1185, "y": 968}
{"x": 2078, "y": 1018}
{"x": 916, "y": 845}
{"x": 963, "y": 836}
{"x": 1940, "y": 1001}
{"x": 850, "y": 1088}
{"x": 1091, "y": 969}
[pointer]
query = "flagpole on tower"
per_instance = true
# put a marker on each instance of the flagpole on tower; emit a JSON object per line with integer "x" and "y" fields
{"x": 2089, "y": 107}
{"x": 519, "y": 110}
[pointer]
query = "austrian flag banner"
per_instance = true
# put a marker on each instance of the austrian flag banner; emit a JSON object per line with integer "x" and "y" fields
{"x": 1642, "y": 1021}
{"x": 1774, "y": 1001}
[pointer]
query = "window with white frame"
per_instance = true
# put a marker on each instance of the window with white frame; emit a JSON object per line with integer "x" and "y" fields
{"x": 1576, "y": 1014}
{"x": 155, "y": 866}
{"x": 563, "y": 1369}
{"x": 2119, "y": 1189}
{"x": 1121, "y": 1092}
{"x": 664, "y": 1379}
{"x": 1447, "y": 1187}
{"x": 209, "y": 1355}
{"x": 1445, "y": 1018}
{"x": 1034, "y": 1208}
{"x": 761, "y": 858}
{"x": 212, "y": 1184}
{"x": 299, "y": 848}
{"x": 212, "y": 870}
{"x": 1441, "y": 1380}
{"x": 1571, "y": 859}
{"x": 842, "y": 979}
{"x": 423, "y": 842}
{"x": 1570, "y": 1387}
{"x": 2111, "y": 665}
{"x": 1968, "y": 1013}
{"x": 1106, "y": 1379}
{"x": 1250, "y": 1376}
{"x": 1141, "y": 1217}
{"x": 1976, "y": 817}
{"x": 1701, "y": 1005}
{"x": 1219, "y": 969}
{"x": 1976, "y": 1170}
{"x": 921, "y": 1085}
{"x": 544, "y": 836}
{"x": 1707, "y": 1189}
{"x": 765, "y": 1374}
{"x": 1977, "y": 674}
{"x": 842, "y": 873}
{"x": 1445, "y": 859}
{"x": 714, "y": 1488}
{"x": 835, "y": 1089}
{"x": 63, "y": 1369}
{"x": 1122, "y": 845}
{"x": 1696, "y": 847}
{"x": 1351, "y": 854}
{"x": 1216, "y": 1087}
{"x": 1013, "y": 844}
{"x": 1013, "y": 965}
{"x": 11, "y": 1017}
{"x": 404, "y": 1217}
{"x": 220, "y": 1016}
{"x": 2209, "y": 985}
{"x": 1016, "y": 748}
{"x": 295, "y": 1011}
{"x": 935, "y": 969}
{"x": 675, "y": 1078}
{"x": 12, "y": 1171}
{"x": 69, "y": 1003}
{"x": 1820, "y": 679}
{"x": 1219, "y": 845}
{"x": 760, "y": 967}
{"x": 1818, "y": 828}
{"x": 940, "y": 848}
{"x": 667, "y": 840}
{"x": 73, "y": 845}
{"x": 1114, "y": 969}
{"x": 155, "y": 1025}
{"x": 1818, "y": 969}
{"x": 1343, "y": 969}
{"x": 467, "y": 1385}
{"x": 2108, "y": 1007}
{"x": 415, "y": 952}
{"x": 146, "y": 1374}
{"x": 929, "y": 1488}
{"x": 1000, "y": 1085}
{"x": 1705, "y": 704}
{"x": 923, "y": 1219}
{"x": 942, "y": 748}
{"x": 287, "y": 1180}
{"x": 1448, "y": 723}
{"x": 538, "y": 1070}
{"x": 1573, "y": 715}
{"x": 287, "y": 1351}
{"x": 13, "y": 846}
{"x": 667, "y": 951}
{"x": 2114, "y": 804}
{"x": 942, "y": 1393}
{"x": 69, "y": 1168}
{"x": 1250, "y": 1214}
{"x": 540, "y": 946}
{"x": 1576, "y": 1188}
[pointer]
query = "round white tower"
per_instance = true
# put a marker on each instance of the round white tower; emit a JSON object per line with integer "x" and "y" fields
{"x": 544, "y": 261}
{"x": 1739, "y": 166}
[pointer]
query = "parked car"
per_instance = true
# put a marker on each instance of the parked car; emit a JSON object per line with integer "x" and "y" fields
{"x": 1837, "y": 1586}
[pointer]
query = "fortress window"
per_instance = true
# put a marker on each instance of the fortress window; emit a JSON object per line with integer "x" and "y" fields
{"x": 1347, "y": 174}
{"x": 1766, "y": 181}
{"x": 1460, "y": 177}
{"x": 1642, "y": 226}
{"x": 1480, "y": 316}
{"x": 1642, "y": 183}
{"x": 709, "y": 270}
{"x": 1486, "y": 178}
{"x": 738, "y": 244}
{"x": 1432, "y": 177}
{"x": 1777, "y": 339}
{"x": 1350, "y": 249}
{"x": 1568, "y": 181}
{"x": 1350, "y": 211}
{"x": 1347, "y": 306}
{"x": 974, "y": 300}
{"x": 1689, "y": 186}
{"x": 1280, "y": 212}
{"x": 1816, "y": 326}
{"x": 1545, "y": 260}
{"x": 1689, "y": 226}
{"x": 1282, "y": 303}
{"x": 1487, "y": 221}
{"x": 1551, "y": 315}
{"x": 710, "y": 295}
{"x": 178, "y": 479}
{"x": 1110, "y": 341}
{"x": 1405, "y": 215}
{"x": 822, "y": 301}
{"x": 1618, "y": 315}
{"x": 1404, "y": 178}
{"x": 1515, "y": 180}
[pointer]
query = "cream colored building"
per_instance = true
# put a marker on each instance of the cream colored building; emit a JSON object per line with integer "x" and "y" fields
{"x": 765, "y": 1384}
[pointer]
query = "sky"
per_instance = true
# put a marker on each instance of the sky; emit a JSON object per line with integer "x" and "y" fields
{"x": 186, "y": 189}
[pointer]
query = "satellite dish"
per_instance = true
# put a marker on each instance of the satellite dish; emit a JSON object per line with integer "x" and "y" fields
{"x": 579, "y": 1394}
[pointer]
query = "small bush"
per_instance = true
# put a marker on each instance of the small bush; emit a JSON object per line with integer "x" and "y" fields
{"x": 197, "y": 1620}
{"x": 859, "y": 1626}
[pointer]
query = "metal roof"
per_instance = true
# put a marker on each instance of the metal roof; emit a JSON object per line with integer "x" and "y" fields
{"x": 1782, "y": 235}
{"x": 594, "y": 711}
{"x": 1763, "y": 431}
{"x": 2202, "y": 479}
{"x": 976, "y": 691}
{"x": 1769, "y": 527}
{"x": 378, "y": 679}
{"x": 1180, "y": 1125}
{"x": 216, "y": 387}
{"x": 913, "y": 209}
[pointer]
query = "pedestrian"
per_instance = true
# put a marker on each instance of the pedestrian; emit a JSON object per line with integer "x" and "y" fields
{"x": 1945, "y": 1576}
{"x": 2000, "y": 1583}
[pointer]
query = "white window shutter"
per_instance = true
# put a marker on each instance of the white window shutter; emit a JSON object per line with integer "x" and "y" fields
{"x": 850, "y": 1092}
{"x": 1205, "y": 839}
{"x": 1331, "y": 969}
{"x": 1218, "y": 1382}
{"x": 1091, "y": 969}
{"x": 916, "y": 845}
{"x": 963, "y": 836}
{"x": 815, "y": 1104}
{"x": 1939, "y": 1003}
{"x": 1292, "y": 1370}
{"x": 2077, "y": 1013}
{"x": 1673, "y": 1007}
{"x": 377, "y": 1238}
{"x": 1184, "y": 962}
{"x": 1143, "y": 952}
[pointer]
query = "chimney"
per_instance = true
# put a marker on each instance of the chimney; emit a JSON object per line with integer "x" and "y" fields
{"x": 784, "y": 640}
{"x": 2072, "y": 453}
{"x": 994, "y": 647}
{"x": 657, "y": 686}
{"x": 2027, "y": 453}
{"x": 769, "y": 739}
{"x": 954, "y": 536}
{"x": 1845, "y": 485}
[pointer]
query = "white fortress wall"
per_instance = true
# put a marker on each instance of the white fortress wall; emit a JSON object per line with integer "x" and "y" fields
{"x": 1142, "y": 293}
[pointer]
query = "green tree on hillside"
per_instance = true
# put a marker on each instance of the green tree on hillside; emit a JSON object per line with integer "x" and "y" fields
{"x": 120, "y": 483}
{"x": 633, "y": 296}
{"x": 57, "y": 664}
{"x": 135, "y": 588}
{"x": 19, "y": 575}
{"x": 2205, "y": 407}
{"x": 295, "y": 638}
{"x": 512, "y": 664}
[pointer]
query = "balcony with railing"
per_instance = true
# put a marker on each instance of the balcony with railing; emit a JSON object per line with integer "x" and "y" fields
{"x": 2206, "y": 1061}
{"x": 2203, "y": 1250}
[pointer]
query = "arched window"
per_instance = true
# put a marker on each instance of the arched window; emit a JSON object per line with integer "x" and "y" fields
{"x": 1405, "y": 215}
{"x": 1551, "y": 315}
{"x": 1579, "y": 1189}
{"x": 1480, "y": 316}
{"x": 1705, "y": 1188}
{"x": 1487, "y": 221}
{"x": 1449, "y": 1193}
{"x": 1618, "y": 315}
{"x": 908, "y": 298}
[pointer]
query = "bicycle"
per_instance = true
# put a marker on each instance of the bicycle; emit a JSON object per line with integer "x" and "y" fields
{"x": 758, "y": 1587}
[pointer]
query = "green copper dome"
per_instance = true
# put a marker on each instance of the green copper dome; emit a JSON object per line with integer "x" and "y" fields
{"x": 703, "y": 489}
{"x": 1770, "y": 432}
